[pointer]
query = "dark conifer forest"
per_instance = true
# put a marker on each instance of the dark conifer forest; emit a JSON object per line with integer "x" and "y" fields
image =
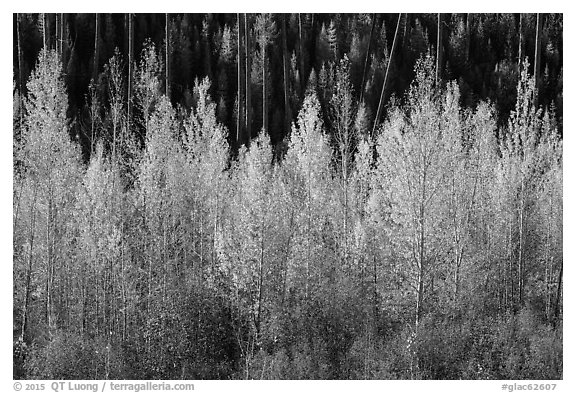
{"x": 287, "y": 196}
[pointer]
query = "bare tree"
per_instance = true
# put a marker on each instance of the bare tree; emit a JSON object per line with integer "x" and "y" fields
{"x": 381, "y": 102}
{"x": 96, "y": 48}
{"x": 167, "y": 37}
{"x": 537, "y": 57}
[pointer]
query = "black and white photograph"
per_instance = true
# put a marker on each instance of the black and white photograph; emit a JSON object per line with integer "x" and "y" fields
{"x": 287, "y": 196}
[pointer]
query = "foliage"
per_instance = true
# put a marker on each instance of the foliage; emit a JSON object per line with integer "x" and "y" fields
{"x": 432, "y": 250}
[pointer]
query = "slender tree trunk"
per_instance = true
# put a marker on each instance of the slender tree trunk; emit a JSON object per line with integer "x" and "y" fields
{"x": 439, "y": 50}
{"x": 407, "y": 31}
{"x": 130, "y": 68}
{"x": 32, "y": 231}
{"x": 167, "y": 35}
{"x": 537, "y": 57}
{"x": 260, "y": 279}
{"x": 83, "y": 295}
{"x": 558, "y": 295}
{"x": 96, "y": 48}
{"x": 345, "y": 189}
{"x": 521, "y": 248}
{"x": 49, "y": 262}
{"x": 375, "y": 295}
{"x": 264, "y": 102}
{"x": 301, "y": 52}
{"x": 520, "y": 41}
{"x": 240, "y": 60}
{"x": 549, "y": 258}
{"x": 20, "y": 58}
{"x": 20, "y": 69}
{"x": 381, "y": 102}
{"x": 421, "y": 254}
{"x": 367, "y": 59}
{"x": 63, "y": 39}
{"x": 248, "y": 91}
{"x": 468, "y": 23}
{"x": 45, "y": 32}
{"x": 62, "y": 32}
{"x": 286, "y": 256}
{"x": 511, "y": 293}
{"x": 287, "y": 113}
{"x": 57, "y": 33}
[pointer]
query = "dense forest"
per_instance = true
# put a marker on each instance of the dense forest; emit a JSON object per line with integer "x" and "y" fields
{"x": 287, "y": 196}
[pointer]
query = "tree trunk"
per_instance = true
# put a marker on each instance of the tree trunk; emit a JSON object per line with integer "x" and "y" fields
{"x": 264, "y": 102}
{"x": 62, "y": 32}
{"x": 63, "y": 39}
{"x": 130, "y": 68}
{"x": 367, "y": 59}
{"x": 520, "y": 41}
{"x": 381, "y": 102}
{"x": 510, "y": 265}
{"x": 375, "y": 296}
{"x": 301, "y": 52}
{"x": 20, "y": 69}
{"x": 421, "y": 254}
{"x": 537, "y": 57}
{"x": 260, "y": 280}
{"x": 287, "y": 114}
{"x": 29, "y": 272}
{"x": 96, "y": 48}
{"x": 407, "y": 31}
{"x": 49, "y": 267}
{"x": 167, "y": 35}
{"x": 439, "y": 50}
{"x": 558, "y": 294}
{"x": 57, "y": 33}
{"x": 468, "y": 22}
{"x": 521, "y": 248}
{"x": 240, "y": 60}
{"x": 45, "y": 32}
{"x": 248, "y": 91}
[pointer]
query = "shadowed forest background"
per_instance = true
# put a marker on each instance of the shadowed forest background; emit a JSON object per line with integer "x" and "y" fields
{"x": 287, "y": 196}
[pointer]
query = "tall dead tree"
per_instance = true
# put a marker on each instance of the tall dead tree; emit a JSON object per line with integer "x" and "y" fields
{"x": 248, "y": 91}
{"x": 367, "y": 59}
{"x": 240, "y": 60}
{"x": 468, "y": 23}
{"x": 300, "y": 51}
{"x": 63, "y": 43}
{"x": 520, "y": 41}
{"x": 380, "y": 103}
{"x": 96, "y": 47}
{"x": 20, "y": 58}
{"x": 45, "y": 32}
{"x": 167, "y": 35}
{"x": 130, "y": 68}
{"x": 287, "y": 114}
{"x": 62, "y": 33}
{"x": 537, "y": 57}
{"x": 439, "y": 50}
{"x": 57, "y": 33}
{"x": 265, "y": 31}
